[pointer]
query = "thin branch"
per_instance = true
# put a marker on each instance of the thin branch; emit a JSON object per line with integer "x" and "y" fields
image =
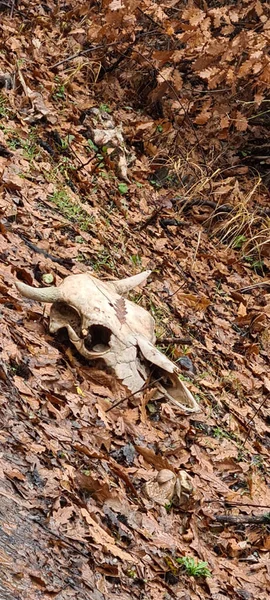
{"x": 12, "y": 8}
{"x": 251, "y": 420}
{"x": 82, "y": 165}
{"x": 244, "y": 519}
{"x": 196, "y": 250}
{"x": 82, "y": 53}
{"x": 255, "y": 285}
{"x": 152, "y": 20}
{"x": 60, "y": 537}
{"x": 232, "y": 503}
{"x": 175, "y": 340}
{"x": 146, "y": 386}
{"x": 149, "y": 219}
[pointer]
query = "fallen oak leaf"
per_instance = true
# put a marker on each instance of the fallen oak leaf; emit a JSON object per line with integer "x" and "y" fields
{"x": 194, "y": 301}
{"x": 15, "y": 474}
{"x": 120, "y": 308}
{"x": 123, "y": 475}
{"x": 242, "y": 311}
{"x": 116, "y": 5}
{"x": 98, "y": 490}
{"x": 153, "y": 459}
{"x": 119, "y": 470}
{"x": 101, "y": 537}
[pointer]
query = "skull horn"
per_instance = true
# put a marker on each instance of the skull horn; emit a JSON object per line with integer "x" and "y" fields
{"x": 49, "y": 294}
{"x": 123, "y": 286}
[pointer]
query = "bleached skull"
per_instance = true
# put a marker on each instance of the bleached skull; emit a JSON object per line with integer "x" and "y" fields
{"x": 101, "y": 323}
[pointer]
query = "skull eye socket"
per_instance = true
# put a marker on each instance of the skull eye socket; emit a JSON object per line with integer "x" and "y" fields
{"x": 63, "y": 314}
{"x": 98, "y": 336}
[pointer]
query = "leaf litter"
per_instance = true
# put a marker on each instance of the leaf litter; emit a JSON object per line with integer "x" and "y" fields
{"x": 91, "y": 502}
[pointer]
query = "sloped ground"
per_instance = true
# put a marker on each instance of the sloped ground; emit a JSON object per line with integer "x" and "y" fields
{"x": 76, "y": 521}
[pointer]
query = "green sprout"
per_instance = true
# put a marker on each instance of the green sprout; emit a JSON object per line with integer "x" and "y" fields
{"x": 70, "y": 210}
{"x": 194, "y": 568}
{"x": 104, "y": 108}
{"x": 123, "y": 188}
{"x": 239, "y": 241}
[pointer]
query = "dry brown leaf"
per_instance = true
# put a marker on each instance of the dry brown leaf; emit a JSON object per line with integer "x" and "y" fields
{"x": 241, "y": 122}
{"x": 99, "y": 490}
{"x": 158, "y": 462}
{"x": 101, "y": 537}
{"x": 120, "y": 308}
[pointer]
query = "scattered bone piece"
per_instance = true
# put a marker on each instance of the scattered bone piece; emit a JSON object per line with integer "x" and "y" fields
{"x": 168, "y": 488}
{"x": 105, "y": 132}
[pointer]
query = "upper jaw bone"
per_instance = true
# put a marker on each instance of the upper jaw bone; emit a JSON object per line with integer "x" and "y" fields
{"x": 80, "y": 346}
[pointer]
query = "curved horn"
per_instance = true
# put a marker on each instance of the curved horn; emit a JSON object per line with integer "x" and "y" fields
{"x": 122, "y": 286}
{"x": 49, "y": 294}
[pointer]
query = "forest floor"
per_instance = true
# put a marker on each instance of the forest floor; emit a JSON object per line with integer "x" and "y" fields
{"x": 75, "y": 518}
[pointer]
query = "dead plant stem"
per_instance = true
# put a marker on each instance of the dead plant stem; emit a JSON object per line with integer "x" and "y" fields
{"x": 144, "y": 387}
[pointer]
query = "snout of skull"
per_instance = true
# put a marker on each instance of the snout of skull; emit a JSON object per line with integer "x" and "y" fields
{"x": 92, "y": 337}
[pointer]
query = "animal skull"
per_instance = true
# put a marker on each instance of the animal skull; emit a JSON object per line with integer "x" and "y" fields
{"x": 102, "y": 324}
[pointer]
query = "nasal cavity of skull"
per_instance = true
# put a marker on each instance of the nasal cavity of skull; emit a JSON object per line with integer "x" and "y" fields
{"x": 98, "y": 338}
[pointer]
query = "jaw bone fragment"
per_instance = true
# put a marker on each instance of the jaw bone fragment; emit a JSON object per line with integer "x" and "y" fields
{"x": 101, "y": 323}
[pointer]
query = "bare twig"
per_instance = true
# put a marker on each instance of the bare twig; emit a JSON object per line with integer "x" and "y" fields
{"x": 82, "y": 165}
{"x": 152, "y": 20}
{"x": 175, "y": 340}
{"x": 255, "y": 285}
{"x": 82, "y": 53}
{"x": 169, "y": 295}
{"x": 196, "y": 250}
{"x": 250, "y": 420}
{"x": 243, "y": 519}
{"x": 232, "y": 503}
{"x": 60, "y": 537}
{"x": 12, "y": 8}
{"x": 144, "y": 387}
{"x": 85, "y": 164}
{"x": 66, "y": 262}
{"x": 149, "y": 219}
